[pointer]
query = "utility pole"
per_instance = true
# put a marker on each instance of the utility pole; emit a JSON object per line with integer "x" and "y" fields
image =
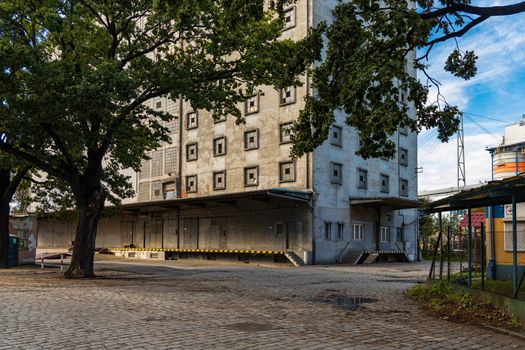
{"x": 461, "y": 156}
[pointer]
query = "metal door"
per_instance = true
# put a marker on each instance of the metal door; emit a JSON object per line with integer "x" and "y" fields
{"x": 190, "y": 233}
{"x": 291, "y": 235}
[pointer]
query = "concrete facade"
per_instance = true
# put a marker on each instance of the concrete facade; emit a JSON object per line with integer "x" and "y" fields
{"x": 209, "y": 158}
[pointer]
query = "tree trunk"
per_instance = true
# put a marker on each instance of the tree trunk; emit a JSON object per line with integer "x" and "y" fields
{"x": 89, "y": 210}
{"x": 4, "y": 218}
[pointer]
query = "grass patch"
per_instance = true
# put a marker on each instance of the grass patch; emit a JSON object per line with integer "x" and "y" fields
{"x": 442, "y": 300}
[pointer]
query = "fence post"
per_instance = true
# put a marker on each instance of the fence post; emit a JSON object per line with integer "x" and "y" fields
{"x": 42, "y": 262}
{"x": 482, "y": 238}
{"x": 449, "y": 229}
{"x": 469, "y": 242}
{"x": 61, "y": 262}
{"x": 432, "y": 267}
{"x": 440, "y": 246}
{"x": 514, "y": 246}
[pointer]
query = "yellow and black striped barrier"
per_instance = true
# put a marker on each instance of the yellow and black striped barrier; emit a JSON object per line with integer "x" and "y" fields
{"x": 179, "y": 250}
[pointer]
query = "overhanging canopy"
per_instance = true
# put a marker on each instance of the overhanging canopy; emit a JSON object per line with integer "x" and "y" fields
{"x": 494, "y": 193}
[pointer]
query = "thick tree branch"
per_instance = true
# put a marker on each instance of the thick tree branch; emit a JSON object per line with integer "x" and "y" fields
{"x": 488, "y": 11}
{"x": 62, "y": 148}
{"x": 6, "y": 148}
{"x": 15, "y": 181}
{"x": 457, "y": 34}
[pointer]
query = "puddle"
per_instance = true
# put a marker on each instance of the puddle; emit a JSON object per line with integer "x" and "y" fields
{"x": 345, "y": 301}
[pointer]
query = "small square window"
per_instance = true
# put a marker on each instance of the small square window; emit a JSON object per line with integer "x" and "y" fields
{"x": 358, "y": 232}
{"x": 403, "y": 187}
{"x": 336, "y": 173}
{"x": 219, "y": 180}
{"x": 251, "y": 176}
{"x": 362, "y": 179}
{"x": 191, "y": 151}
{"x": 403, "y": 156}
{"x": 219, "y": 146}
{"x": 192, "y": 120}
{"x": 191, "y": 183}
{"x": 251, "y": 105}
{"x": 251, "y": 139}
{"x": 385, "y": 183}
{"x": 336, "y": 135}
{"x": 289, "y": 18}
{"x": 285, "y": 133}
{"x": 287, "y": 171}
{"x": 385, "y": 234}
{"x": 287, "y": 96}
{"x": 328, "y": 231}
{"x": 340, "y": 230}
{"x": 158, "y": 105}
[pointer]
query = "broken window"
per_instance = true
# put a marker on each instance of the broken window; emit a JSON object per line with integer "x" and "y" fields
{"x": 251, "y": 139}
{"x": 219, "y": 146}
{"x": 289, "y": 18}
{"x": 287, "y": 96}
{"x": 192, "y": 120}
{"x": 362, "y": 178}
{"x": 403, "y": 187}
{"x": 251, "y": 176}
{"x": 403, "y": 156}
{"x": 285, "y": 133}
{"x": 191, "y": 183}
{"x": 385, "y": 183}
{"x": 251, "y": 105}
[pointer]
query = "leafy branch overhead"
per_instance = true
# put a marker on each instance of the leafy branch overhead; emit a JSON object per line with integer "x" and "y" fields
{"x": 369, "y": 70}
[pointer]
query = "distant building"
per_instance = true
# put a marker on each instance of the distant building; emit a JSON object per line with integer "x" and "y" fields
{"x": 221, "y": 187}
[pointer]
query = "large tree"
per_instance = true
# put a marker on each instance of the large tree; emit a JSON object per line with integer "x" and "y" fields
{"x": 368, "y": 71}
{"x": 80, "y": 73}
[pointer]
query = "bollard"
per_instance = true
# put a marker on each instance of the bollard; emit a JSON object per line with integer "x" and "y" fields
{"x": 61, "y": 262}
{"x": 42, "y": 262}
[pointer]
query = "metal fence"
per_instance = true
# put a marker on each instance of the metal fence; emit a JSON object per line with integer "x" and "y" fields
{"x": 486, "y": 261}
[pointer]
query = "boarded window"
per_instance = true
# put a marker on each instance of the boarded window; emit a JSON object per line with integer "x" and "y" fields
{"x": 403, "y": 156}
{"x": 251, "y": 176}
{"x": 336, "y": 135}
{"x": 362, "y": 178}
{"x": 336, "y": 173}
{"x": 191, "y": 151}
{"x": 191, "y": 183}
{"x": 289, "y": 18}
{"x": 156, "y": 190}
{"x": 219, "y": 180}
{"x": 169, "y": 190}
{"x": 251, "y": 105}
{"x": 219, "y": 146}
{"x": 287, "y": 96}
{"x": 287, "y": 171}
{"x": 285, "y": 133}
{"x": 192, "y": 120}
{"x": 251, "y": 139}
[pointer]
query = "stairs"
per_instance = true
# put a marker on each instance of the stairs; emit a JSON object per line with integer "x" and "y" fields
{"x": 369, "y": 257}
{"x": 352, "y": 258}
{"x": 294, "y": 259}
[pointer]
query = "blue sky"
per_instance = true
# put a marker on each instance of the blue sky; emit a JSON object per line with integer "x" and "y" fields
{"x": 497, "y": 92}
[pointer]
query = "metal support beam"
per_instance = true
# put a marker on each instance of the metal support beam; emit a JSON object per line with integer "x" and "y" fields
{"x": 491, "y": 272}
{"x": 482, "y": 236}
{"x": 514, "y": 246}
{"x": 432, "y": 266}
{"x": 440, "y": 218}
{"x": 449, "y": 231}
{"x": 469, "y": 245}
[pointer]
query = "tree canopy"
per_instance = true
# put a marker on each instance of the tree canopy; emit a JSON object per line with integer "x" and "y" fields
{"x": 373, "y": 49}
{"x": 76, "y": 76}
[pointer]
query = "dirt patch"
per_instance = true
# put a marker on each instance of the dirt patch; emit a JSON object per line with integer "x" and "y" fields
{"x": 444, "y": 302}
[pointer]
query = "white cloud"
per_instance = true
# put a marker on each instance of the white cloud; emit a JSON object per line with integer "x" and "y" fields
{"x": 439, "y": 162}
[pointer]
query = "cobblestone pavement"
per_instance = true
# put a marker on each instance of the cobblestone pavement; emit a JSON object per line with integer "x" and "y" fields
{"x": 179, "y": 305}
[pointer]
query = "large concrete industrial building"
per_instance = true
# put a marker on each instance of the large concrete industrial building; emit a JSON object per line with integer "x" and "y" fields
{"x": 218, "y": 187}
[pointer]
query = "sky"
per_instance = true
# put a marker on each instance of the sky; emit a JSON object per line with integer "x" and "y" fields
{"x": 490, "y": 101}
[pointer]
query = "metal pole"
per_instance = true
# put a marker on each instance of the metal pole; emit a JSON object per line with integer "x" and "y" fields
{"x": 469, "y": 243}
{"x": 482, "y": 236}
{"x": 434, "y": 257}
{"x": 514, "y": 246}
{"x": 491, "y": 272}
{"x": 449, "y": 229}
{"x": 440, "y": 246}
